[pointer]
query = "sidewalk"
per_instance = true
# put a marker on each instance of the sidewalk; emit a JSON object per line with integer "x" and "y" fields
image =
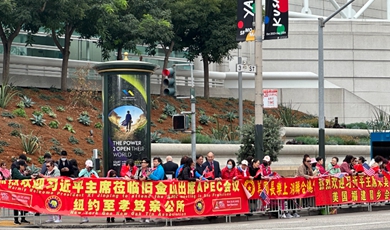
{"x": 69, "y": 222}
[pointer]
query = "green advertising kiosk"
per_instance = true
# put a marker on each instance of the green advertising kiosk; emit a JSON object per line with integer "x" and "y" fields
{"x": 126, "y": 112}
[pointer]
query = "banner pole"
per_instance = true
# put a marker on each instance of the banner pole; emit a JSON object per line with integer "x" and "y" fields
{"x": 259, "y": 149}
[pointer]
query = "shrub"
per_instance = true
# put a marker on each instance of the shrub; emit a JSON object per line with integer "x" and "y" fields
{"x": 170, "y": 130}
{"x": 155, "y": 137}
{"x": 199, "y": 129}
{"x": 358, "y": 125}
{"x": 60, "y": 108}
{"x": 38, "y": 120}
{"x": 54, "y": 124}
{"x": 3, "y": 143}
{"x": 155, "y": 104}
{"x": 98, "y": 125}
{"x": 204, "y": 119}
{"x": 70, "y": 119}
{"x": 81, "y": 94}
{"x": 37, "y": 113}
{"x": 53, "y": 115}
{"x": 55, "y": 141}
{"x": 73, "y": 140}
{"x": 59, "y": 97}
{"x": 15, "y": 133}
{"x": 46, "y": 109}
{"x": 69, "y": 127}
{"x": 27, "y": 102}
{"x": 20, "y": 105}
{"x": 100, "y": 116}
{"x": 307, "y": 140}
{"x": 78, "y": 151}
{"x": 7, "y": 114}
{"x": 57, "y": 149}
{"x": 169, "y": 110}
{"x": 30, "y": 143}
{"x": 7, "y": 92}
{"x": 41, "y": 160}
{"x": 84, "y": 113}
{"x": 271, "y": 138}
{"x": 34, "y": 89}
{"x": 90, "y": 140}
{"x": 44, "y": 97}
{"x": 84, "y": 119}
{"x": 200, "y": 139}
{"x": 19, "y": 112}
{"x": 1, "y": 149}
{"x": 287, "y": 114}
{"x": 163, "y": 116}
{"x": 168, "y": 140}
{"x": 230, "y": 116}
{"x": 14, "y": 125}
{"x": 160, "y": 120}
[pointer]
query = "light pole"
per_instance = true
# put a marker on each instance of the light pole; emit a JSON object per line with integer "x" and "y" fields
{"x": 192, "y": 112}
{"x": 240, "y": 113}
{"x": 259, "y": 146}
{"x": 321, "y": 113}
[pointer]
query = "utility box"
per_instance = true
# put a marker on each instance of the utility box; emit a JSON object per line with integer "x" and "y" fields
{"x": 380, "y": 144}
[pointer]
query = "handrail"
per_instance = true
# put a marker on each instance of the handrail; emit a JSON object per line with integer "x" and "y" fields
{"x": 51, "y": 67}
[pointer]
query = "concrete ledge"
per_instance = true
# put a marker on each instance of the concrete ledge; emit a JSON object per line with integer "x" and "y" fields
{"x": 290, "y": 156}
{"x": 295, "y": 132}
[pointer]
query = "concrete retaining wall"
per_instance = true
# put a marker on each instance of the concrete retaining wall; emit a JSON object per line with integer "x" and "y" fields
{"x": 290, "y": 156}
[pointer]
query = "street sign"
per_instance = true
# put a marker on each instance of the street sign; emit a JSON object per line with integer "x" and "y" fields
{"x": 246, "y": 68}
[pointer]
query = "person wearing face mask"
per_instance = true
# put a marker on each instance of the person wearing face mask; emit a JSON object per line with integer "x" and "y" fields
{"x": 188, "y": 172}
{"x": 265, "y": 168}
{"x": 64, "y": 165}
{"x": 230, "y": 171}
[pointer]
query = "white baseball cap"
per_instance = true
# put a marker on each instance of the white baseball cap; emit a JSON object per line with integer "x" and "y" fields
{"x": 89, "y": 163}
{"x": 267, "y": 158}
{"x": 244, "y": 162}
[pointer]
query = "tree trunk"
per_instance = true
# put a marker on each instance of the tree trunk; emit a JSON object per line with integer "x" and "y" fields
{"x": 7, "y": 42}
{"x": 206, "y": 75}
{"x": 165, "y": 65}
{"x": 6, "y": 62}
{"x": 119, "y": 54}
{"x": 64, "y": 70}
{"x": 65, "y": 58}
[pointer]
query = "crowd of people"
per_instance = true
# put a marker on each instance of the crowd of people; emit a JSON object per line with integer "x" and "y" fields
{"x": 190, "y": 170}
{"x": 352, "y": 166}
{"x": 50, "y": 168}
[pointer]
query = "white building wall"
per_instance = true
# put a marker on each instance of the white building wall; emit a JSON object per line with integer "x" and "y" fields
{"x": 356, "y": 58}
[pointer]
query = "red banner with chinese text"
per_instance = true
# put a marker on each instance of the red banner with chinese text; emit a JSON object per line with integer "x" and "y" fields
{"x": 282, "y": 188}
{"x": 115, "y": 197}
{"x": 351, "y": 189}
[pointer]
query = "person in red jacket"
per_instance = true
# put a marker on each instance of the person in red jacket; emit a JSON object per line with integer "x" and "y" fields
{"x": 230, "y": 171}
{"x": 128, "y": 170}
{"x": 243, "y": 171}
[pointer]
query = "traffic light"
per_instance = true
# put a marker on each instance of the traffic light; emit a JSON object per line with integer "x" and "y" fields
{"x": 169, "y": 81}
{"x": 180, "y": 122}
